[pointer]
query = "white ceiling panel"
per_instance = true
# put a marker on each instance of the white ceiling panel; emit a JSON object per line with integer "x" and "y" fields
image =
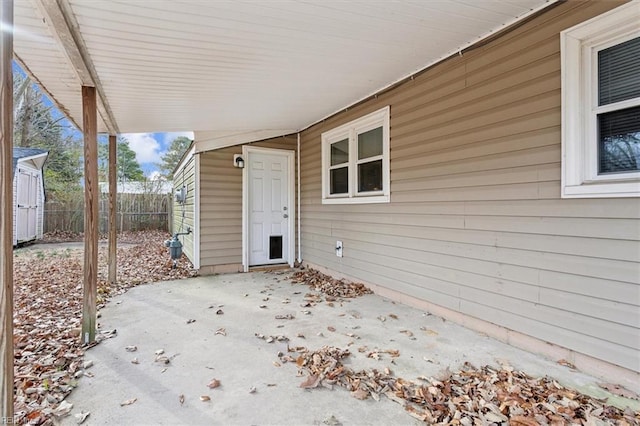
{"x": 249, "y": 66}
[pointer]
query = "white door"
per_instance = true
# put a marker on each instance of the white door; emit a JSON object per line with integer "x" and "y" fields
{"x": 27, "y": 205}
{"x": 269, "y": 207}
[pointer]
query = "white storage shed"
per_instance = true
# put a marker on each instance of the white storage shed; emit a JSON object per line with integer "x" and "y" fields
{"x": 28, "y": 194}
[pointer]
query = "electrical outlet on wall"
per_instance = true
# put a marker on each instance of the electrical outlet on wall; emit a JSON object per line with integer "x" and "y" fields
{"x": 339, "y": 248}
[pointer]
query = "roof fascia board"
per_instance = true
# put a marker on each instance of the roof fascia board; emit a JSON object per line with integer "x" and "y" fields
{"x": 61, "y": 21}
{"x": 34, "y": 159}
{"x": 212, "y": 140}
{"x": 184, "y": 160}
{"x": 459, "y": 51}
{"x": 42, "y": 87}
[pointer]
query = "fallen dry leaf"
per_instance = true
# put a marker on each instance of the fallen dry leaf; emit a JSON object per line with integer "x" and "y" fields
{"x": 360, "y": 394}
{"x": 214, "y": 383}
{"x": 163, "y": 360}
{"x": 523, "y": 421}
{"x": 286, "y": 317}
{"x": 205, "y": 398}
{"x": 394, "y": 316}
{"x": 331, "y": 328}
{"x": 190, "y": 321}
{"x": 429, "y": 331}
{"x": 619, "y": 390}
{"x": 221, "y": 331}
{"x": 131, "y": 348}
{"x": 128, "y": 402}
{"x": 81, "y": 416}
{"x": 331, "y": 421}
{"x": 181, "y": 399}
{"x": 566, "y": 363}
{"x": 311, "y": 382}
{"x": 252, "y": 389}
{"x": 63, "y": 409}
{"x": 135, "y": 361}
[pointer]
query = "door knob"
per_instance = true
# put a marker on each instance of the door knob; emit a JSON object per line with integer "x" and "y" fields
{"x": 285, "y": 215}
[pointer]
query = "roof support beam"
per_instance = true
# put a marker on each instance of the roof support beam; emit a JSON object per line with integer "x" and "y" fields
{"x": 91, "y": 194}
{"x": 62, "y": 23}
{"x": 6, "y": 211}
{"x": 113, "y": 193}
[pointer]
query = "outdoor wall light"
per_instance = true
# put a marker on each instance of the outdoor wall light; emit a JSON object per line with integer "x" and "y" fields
{"x": 238, "y": 161}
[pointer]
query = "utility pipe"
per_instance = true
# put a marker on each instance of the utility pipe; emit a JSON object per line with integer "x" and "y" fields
{"x": 299, "y": 212}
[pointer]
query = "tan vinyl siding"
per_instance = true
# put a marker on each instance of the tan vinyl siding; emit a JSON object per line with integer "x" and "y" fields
{"x": 476, "y": 223}
{"x": 183, "y": 214}
{"x": 221, "y": 203}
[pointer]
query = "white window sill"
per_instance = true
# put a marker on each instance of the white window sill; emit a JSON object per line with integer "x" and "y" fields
{"x": 357, "y": 200}
{"x": 602, "y": 190}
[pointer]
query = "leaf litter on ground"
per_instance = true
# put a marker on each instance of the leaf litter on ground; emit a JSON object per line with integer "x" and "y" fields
{"x": 48, "y": 309}
{"x": 332, "y": 288}
{"x": 470, "y": 396}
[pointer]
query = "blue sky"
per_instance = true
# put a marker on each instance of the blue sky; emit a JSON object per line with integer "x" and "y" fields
{"x": 149, "y": 147}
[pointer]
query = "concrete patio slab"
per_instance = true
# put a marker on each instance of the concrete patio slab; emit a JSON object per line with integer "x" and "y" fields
{"x": 157, "y": 316}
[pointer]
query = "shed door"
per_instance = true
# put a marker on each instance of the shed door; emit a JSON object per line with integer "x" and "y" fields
{"x": 269, "y": 208}
{"x": 27, "y": 205}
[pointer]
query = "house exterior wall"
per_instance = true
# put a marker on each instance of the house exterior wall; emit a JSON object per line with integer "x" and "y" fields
{"x": 183, "y": 214}
{"x": 476, "y": 224}
{"x": 221, "y": 206}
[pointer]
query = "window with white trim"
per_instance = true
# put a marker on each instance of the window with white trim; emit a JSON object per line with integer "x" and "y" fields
{"x": 355, "y": 161}
{"x": 601, "y": 105}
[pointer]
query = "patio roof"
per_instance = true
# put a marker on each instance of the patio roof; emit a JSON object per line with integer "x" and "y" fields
{"x": 232, "y": 67}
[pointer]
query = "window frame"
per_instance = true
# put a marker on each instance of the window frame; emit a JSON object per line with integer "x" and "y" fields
{"x": 350, "y": 131}
{"x": 579, "y": 78}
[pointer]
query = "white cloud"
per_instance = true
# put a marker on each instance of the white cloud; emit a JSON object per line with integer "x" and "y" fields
{"x": 155, "y": 175}
{"x": 169, "y": 137}
{"x": 147, "y": 149}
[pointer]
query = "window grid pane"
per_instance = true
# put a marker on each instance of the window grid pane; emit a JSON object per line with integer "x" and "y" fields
{"x": 619, "y": 72}
{"x": 370, "y": 143}
{"x": 370, "y": 176}
{"x": 340, "y": 152}
{"x": 339, "y": 180}
{"x": 619, "y": 141}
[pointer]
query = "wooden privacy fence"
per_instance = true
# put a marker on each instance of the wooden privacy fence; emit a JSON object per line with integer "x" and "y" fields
{"x": 135, "y": 212}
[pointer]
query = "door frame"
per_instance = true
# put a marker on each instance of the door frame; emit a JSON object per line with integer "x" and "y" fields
{"x": 246, "y": 154}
